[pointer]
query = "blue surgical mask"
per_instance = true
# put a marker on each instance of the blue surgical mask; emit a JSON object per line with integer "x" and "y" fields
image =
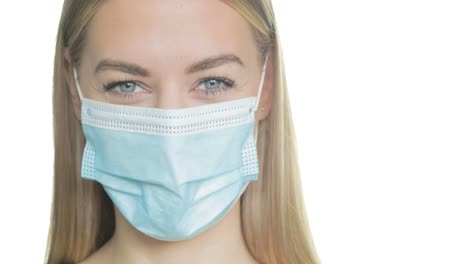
{"x": 172, "y": 173}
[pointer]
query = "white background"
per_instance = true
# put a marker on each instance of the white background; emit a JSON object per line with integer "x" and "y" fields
{"x": 379, "y": 96}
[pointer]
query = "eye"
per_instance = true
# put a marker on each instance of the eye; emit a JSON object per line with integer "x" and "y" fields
{"x": 213, "y": 85}
{"x": 123, "y": 87}
{"x": 125, "y": 90}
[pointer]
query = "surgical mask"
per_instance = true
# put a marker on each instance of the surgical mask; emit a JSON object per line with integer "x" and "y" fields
{"x": 172, "y": 173}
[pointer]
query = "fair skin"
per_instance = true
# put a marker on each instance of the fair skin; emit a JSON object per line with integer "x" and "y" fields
{"x": 164, "y": 38}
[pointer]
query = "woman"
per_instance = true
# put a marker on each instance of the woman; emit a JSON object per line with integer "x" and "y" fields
{"x": 174, "y": 140}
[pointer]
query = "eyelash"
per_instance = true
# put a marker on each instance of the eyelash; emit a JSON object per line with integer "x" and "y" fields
{"x": 226, "y": 84}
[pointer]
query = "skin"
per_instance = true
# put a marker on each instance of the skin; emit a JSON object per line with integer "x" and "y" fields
{"x": 165, "y": 37}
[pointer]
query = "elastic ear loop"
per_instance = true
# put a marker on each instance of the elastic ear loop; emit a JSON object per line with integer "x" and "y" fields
{"x": 254, "y": 109}
{"x": 75, "y": 74}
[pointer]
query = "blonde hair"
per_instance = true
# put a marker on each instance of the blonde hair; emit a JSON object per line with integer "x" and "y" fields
{"x": 274, "y": 219}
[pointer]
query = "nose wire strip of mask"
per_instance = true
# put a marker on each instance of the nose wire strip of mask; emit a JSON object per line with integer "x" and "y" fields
{"x": 77, "y": 83}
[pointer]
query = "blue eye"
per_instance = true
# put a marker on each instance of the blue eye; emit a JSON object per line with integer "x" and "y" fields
{"x": 211, "y": 85}
{"x": 215, "y": 85}
{"x": 123, "y": 87}
{"x": 127, "y": 87}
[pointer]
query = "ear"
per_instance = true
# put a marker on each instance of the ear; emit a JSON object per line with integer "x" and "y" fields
{"x": 73, "y": 92}
{"x": 266, "y": 98}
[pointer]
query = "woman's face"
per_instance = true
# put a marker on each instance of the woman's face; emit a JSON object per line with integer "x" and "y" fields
{"x": 169, "y": 54}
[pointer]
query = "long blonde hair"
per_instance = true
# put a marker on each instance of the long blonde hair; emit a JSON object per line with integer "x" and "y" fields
{"x": 274, "y": 219}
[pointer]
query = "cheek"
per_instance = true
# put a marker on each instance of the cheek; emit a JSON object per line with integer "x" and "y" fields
{"x": 92, "y": 91}
{"x": 253, "y": 85}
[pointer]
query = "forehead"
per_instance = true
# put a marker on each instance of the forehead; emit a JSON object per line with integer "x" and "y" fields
{"x": 147, "y": 30}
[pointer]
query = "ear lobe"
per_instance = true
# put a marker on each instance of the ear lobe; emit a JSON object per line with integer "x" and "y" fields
{"x": 70, "y": 79}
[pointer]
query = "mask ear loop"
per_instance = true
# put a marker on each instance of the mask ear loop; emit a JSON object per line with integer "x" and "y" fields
{"x": 254, "y": 109}
{"x": 75, "y": 74}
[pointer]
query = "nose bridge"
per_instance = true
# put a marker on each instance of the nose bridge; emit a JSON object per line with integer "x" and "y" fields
{"x": 170, "y": 95}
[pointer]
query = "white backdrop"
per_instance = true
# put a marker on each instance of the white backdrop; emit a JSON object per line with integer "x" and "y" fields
{"x": 379, "y": 92}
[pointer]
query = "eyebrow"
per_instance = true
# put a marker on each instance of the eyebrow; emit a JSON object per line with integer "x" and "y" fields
{"x": 212, "y": 62}
{"x": 117, "y": 65}
{"x": 135, "y": 69}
